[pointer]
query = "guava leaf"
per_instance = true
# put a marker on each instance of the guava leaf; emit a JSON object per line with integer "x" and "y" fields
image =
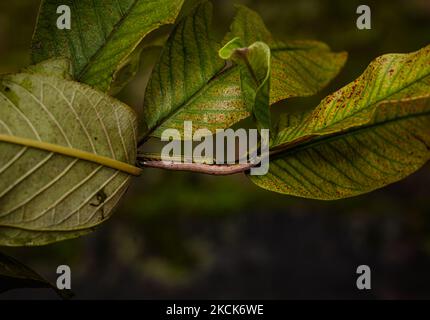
{"x": 299, "y": 68}
{"x": 254, "y": 62}
{"x": 103, "y": 34}
{"x": 67, "y": 155}
{"x": 183, "y": 85}
{"x": 56, "y": 67}
{"x": 15, "y": 275}
{"x": 192, "y": 83}
{"x": 373, "y": 132}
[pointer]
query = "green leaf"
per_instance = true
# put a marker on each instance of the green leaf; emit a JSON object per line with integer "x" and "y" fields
{"x": 255, "y": 72}
{"x": 373, "y": 132}
{"x": 103, "y": 34}
{"x": 67, "y": 155}
{"x": 15, "y": 275}
{"x": 299, "y": 68}
{"x": 184, "y": 85}
{"x": 192, "y": 83}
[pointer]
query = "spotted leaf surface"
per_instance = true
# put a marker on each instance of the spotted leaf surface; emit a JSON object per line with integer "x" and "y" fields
{"x": 373, "y": 132}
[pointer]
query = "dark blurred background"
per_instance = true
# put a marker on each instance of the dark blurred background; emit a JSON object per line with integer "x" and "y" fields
{"x": 178, "y": 235}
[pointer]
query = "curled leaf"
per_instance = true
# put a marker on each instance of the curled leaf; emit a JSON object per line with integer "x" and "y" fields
{"x": 192, "y": 83}
{"x": 255, "y": 73}
{"x": 373, "y": 132}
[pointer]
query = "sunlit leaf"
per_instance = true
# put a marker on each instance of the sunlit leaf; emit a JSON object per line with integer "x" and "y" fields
{"x": 299, "y": 68}
{"x": 255, "y": 72}
{"x": 373, "y": 132}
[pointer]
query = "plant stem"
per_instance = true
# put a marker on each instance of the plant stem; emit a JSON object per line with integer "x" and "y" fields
{"x": 212, "y": 169}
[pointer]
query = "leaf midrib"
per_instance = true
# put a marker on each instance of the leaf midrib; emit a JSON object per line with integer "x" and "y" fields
{"x": 341, "y": 135}
{"x": 108, "y": 38}
{"x": 222, "y": 73}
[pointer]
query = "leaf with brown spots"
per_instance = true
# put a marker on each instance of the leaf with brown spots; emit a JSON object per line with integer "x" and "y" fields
{"x": 254, "y": 62}
{"x": 192, "y": 83}
{"x": 373, "y": 132}
{"x": 299, "y": 68}
{"x": 53, "y": 134}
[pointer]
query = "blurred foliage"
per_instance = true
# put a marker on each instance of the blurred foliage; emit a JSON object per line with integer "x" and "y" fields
{"x": 178, "y": 235}
{"x": 15, "y": 275}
